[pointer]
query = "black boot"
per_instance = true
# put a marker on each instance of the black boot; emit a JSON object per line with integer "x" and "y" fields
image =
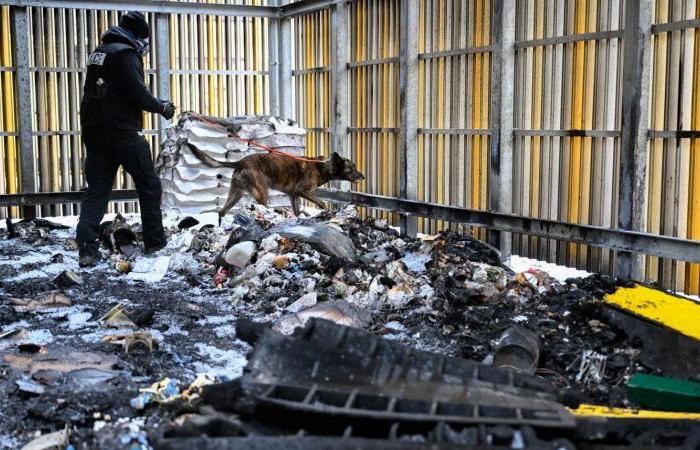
{"x": 88, "y": 254}
{"x": 150, "y": 249}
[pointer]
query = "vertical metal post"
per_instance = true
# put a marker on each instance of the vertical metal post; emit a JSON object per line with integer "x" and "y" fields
{"x": 633, "y": 146}
{"x": 24, "y": 106}
{"x": 273, "y": 66}
{"x": 339, "y": 78}
{"x": 339, "y": 83}
{"x": 284, "y": 54}
{"x": 163, "y": 66}
{"x": 408, "y": 101}
{"x": 501, "y": 117}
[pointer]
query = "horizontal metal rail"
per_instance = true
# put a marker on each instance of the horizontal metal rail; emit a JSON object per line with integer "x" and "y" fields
{"x": 56, "y": 198}
{"x": 58, "y": 69}
{"x": 621, "y": 240}
{"x": 373, "y": 130}
{"x": 216, "y": 72}
{"x": 567, "y": 133}
{"x": 675, "y": 26}
{"x": 373, "y": 62}
{"x": 319, "y": 69}
{"x": 674, "y": 134}
{"x": 306, "y": 7}
{"x": 595, "y": 36}
{"x": 457, "y": 52}
{"x": 9, "y": 133}
{"x": 44, "y": 133}
{"x": 459, "y": 131}
{"x": 319, "y": 129}
{"x": 155, "y": 6}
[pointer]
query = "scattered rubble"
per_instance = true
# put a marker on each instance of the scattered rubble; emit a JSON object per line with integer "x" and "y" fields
{"x": 88, "y": 348}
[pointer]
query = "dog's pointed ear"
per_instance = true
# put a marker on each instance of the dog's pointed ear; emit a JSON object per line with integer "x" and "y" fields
{"x": 336, "y": 160}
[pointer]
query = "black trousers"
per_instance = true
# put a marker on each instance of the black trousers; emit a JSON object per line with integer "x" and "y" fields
{"x": 106, "y": 151}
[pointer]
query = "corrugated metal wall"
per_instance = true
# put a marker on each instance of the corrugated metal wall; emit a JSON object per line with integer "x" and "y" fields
{"x": 9, "y": 153}
{"x": 558, "y": 87}
{"x": 218, "y": 66}
{"x": 674, "y": 164}
{"x": 568, "y": 86}
{"x": 454, "y": 75}
{"x": 311, "y": 75}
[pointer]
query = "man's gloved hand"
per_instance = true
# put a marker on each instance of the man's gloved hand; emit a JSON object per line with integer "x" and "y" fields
{"x": 168, "y": 110}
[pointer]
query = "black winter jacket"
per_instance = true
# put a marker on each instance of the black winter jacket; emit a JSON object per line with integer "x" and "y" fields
{"x": 115, "y": 94}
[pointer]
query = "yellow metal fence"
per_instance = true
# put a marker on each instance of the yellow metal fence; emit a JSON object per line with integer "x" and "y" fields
{"x": 558, "y": 86}
{"x": 218, "y": 66}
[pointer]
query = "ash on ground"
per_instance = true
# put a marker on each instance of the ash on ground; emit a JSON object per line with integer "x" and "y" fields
{"x": 97, "y": 356}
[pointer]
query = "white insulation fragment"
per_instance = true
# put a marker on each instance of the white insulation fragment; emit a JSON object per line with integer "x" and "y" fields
{"x": 190, "y": 187}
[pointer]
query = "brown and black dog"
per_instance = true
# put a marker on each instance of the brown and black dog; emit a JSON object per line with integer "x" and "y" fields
{"x": 256, "y": 174}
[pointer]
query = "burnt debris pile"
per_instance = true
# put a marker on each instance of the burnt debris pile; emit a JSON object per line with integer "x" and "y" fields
{"x": 351, "y": 336}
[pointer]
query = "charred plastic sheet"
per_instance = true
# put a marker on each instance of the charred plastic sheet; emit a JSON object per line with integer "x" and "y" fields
{"x": 359, "y": 378}
{"x": 330, "y": 386}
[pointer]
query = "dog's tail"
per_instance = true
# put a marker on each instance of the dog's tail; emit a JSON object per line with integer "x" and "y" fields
{"x": 208, "y": 160}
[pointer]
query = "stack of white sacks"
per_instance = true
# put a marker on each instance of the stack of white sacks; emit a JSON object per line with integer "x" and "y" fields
{"x": 190, "y": 187}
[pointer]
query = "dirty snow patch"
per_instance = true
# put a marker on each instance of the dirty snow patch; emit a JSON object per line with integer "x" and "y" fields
{"x": 79, "y": 319}
{"x": 221, "y": 362}
{"x": 521, "y": 264}
{"x": 415, "y": 262}
{"x": 29, "y": 275}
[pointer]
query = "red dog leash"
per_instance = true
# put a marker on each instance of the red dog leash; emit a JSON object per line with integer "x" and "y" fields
{"x": 252, "y": 142}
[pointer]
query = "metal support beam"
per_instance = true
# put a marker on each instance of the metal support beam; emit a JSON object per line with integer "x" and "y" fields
{"x": 284, "y": 55}
{"x": 621, "y": 240}
{"x": 24, "y": 107}
{"x": 301, "y": 7}
{"x": 633, "y": 147}
{"x": 163, "y": 7}
{"x": 570, "y": 38}
{"x": 408, "y": 101}
{"x": 163, "y": 66}
{"x": 57, "y": 198}
{"x": 339, "y": 83}
{"x": 273, "y": 63}
{"x": 501, "y": 110}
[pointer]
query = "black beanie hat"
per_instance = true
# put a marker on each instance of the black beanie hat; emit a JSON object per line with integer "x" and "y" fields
{"x": 135, "y": 22}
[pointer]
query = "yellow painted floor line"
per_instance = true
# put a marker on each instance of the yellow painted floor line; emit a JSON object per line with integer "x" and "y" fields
{"x": 625, "y": 413}
{"x": 678, "y": 313}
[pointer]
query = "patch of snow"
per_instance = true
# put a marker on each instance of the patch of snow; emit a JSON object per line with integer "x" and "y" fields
{"x": 7, "y": 441}
{"x": 29, "y": 275}
{"x": 694, "y": 298}
{"x": 29, "y": 258}
{"x": 225, "y": 331}
{"x": 39, "y": 337}
{"x": 395, "y": 326}
{"x": 221, "y": 362}
{"x": 216, "y": 320}
{"x": 415, "y": 262}
{"x": 78, "y": 320}
{"x": 519, "y": 319}
{"x": 15, "y": 326}
{"x": 175, "y": 328}
{"x": 521, "y": 264}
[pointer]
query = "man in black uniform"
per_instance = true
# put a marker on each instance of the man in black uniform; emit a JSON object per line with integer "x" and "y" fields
{"x": 111, "y": 116}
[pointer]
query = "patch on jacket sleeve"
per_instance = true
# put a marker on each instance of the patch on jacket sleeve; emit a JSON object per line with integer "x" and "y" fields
{"x": 97, "y": 59}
